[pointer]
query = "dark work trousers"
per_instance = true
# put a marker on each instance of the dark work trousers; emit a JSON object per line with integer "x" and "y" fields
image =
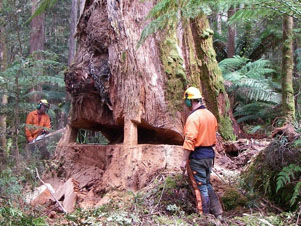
{"x": 38, "y": 147}
{"x": 199, "y": 174}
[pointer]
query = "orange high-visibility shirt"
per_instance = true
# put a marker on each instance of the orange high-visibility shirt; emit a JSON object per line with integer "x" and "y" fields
{"x": 200, "y": 129}
{"x": 39, "y": 121}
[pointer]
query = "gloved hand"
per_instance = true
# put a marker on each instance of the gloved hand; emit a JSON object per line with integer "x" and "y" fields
{"x": 44, "y": 132}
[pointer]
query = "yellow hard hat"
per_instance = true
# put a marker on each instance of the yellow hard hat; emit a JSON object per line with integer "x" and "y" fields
{"x": 44, "y": 102}
{"x": 192, "y": 93}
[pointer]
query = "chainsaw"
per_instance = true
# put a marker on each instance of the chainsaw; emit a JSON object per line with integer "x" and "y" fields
{"x": 44, "y": 135}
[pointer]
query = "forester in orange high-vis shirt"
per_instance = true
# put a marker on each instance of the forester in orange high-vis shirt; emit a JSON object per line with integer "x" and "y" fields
{"x": 199, "y": 139}
{"x": 37, "y": 123}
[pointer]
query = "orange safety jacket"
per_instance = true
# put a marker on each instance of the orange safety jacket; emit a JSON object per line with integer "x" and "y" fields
{"x": 38, "y": 121}
{"x": 200, "y": 129}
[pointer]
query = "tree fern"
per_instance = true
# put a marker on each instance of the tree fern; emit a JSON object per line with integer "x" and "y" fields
{"x": 248, "y": 79}
{"x": 255, "y": 111}
{"x": 290, "y": 174}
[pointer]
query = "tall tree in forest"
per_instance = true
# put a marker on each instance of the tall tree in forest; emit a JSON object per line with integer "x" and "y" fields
{"x": 37, "y": 34}
{"x": 4, "y": 97}
{"x": 231, "y": 34}
{"x": 37, "y": 41}
{"x": 73, "y": 20}
{"x": 288, "y": 103}
{"x": 288, "y": 10}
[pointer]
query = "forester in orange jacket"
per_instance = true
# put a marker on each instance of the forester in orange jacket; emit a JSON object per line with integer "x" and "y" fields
{"x": 200, "y": 137}
{"x": 37, "y": 123}
{"x": 37, "y": 120}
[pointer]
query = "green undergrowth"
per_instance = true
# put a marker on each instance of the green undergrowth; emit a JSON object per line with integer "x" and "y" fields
{"x": 10, "y": 215}
{"x": 232, "y": 199}
{"x": 276, "y": 175}
{"x": 255, "y": 219}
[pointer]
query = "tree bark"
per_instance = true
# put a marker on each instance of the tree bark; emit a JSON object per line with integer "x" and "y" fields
{"x": 288, "y": 103}
{"x": 231, "y": 35}
{"x": 37, "y": 34}
{"x": 37, "y": 41}
{"x": 72, "y": 41}
{"x": 4, "y": 98}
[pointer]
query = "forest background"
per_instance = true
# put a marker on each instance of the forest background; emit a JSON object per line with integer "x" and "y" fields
{"x": 258, "y": 47}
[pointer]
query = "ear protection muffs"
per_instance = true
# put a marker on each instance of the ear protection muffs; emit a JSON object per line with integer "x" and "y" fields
{"x": 39, "y": 106}
{"x": 188, "y": 102}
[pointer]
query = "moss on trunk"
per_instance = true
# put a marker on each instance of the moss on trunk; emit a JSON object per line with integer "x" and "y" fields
{"x": 213, "y": 88}
{"x": 288, "y": 103}
{"x": 175, "y": 72}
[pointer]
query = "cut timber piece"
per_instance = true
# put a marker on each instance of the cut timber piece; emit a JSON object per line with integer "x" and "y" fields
{"x": 69, "y": 191}
{"x": 40, "y": 195}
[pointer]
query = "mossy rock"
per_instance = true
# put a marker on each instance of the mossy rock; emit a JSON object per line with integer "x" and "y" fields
{"x": 232, "y": 199}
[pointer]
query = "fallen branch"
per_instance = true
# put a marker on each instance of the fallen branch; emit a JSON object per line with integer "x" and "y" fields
{"x": 151, "y": 214}
{"x": 270, "y": 204}
{"x": 57, "y": 201}
{"x": 160, "y": 196}
{"x": 220, "y": 177}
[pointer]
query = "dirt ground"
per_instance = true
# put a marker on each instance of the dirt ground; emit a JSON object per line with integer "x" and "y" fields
{"x": 145, "y": 181}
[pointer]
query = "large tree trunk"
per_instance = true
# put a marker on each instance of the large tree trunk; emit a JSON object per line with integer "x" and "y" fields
{"x": 288, "y": 103}
{"x": 134, "y": 96}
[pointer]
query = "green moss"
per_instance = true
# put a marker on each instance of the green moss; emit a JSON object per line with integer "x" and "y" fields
{"x": 123, "y": 57}
{"x": 225, "y": 128}
{"x": 232, "y": 199}
{"x": 174, "y": 69}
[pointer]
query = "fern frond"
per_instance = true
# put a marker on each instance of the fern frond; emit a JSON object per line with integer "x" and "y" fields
{"x": 247, "y": 118}
{"x": 255, "y": 110}
{"x": 161, "y": 8}
{"x": 43, "y": 6}
{"x": 296, "y": 194}
{"x": 156, "y": 25}
{"x": 284, "y": 177}
{"x": 255, "y": 9}
{"x": 232, "y": 64}
{"x": 194, "y": 8}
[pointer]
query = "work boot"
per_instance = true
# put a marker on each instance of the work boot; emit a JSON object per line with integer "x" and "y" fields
{"x": 215, "y": 204}
{"x": 205, "y": 204}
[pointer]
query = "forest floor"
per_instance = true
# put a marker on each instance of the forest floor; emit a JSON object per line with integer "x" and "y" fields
{"x": 168, "y": 200}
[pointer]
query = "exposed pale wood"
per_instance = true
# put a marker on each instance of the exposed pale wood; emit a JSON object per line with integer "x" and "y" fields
{"x": 130, "y": 133}
{"x": 68, "y": 190}
{"x": 53, "y": 195}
